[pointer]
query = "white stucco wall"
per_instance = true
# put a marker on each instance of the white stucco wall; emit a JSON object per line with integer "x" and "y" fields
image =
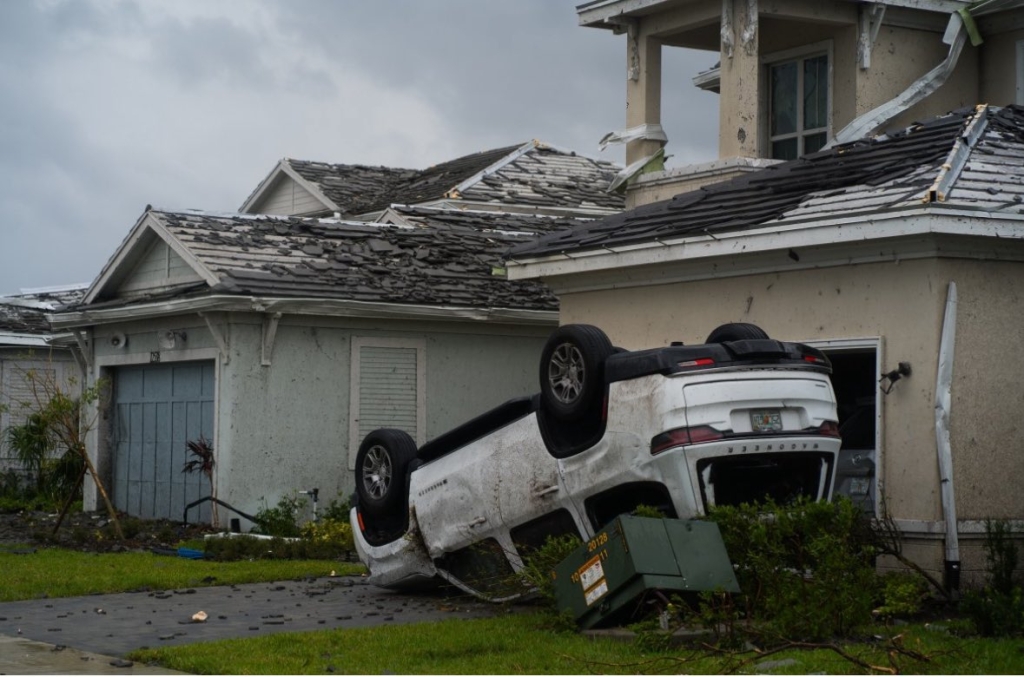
{"x": 285, "y": 427}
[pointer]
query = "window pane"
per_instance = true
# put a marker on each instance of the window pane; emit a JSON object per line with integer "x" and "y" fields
{"x": 785, "y": 149}
{"x": 816, "y": 92}
{"x": 814, "y": 142}
{"x": 784, "y": 98}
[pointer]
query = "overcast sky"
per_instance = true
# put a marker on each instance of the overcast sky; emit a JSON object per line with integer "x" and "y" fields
{"x": 107, "y": 106}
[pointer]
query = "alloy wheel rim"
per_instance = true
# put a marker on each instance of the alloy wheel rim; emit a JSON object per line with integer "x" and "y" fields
{"x": 566, "y": 373}
{"x": 377, "y": 471}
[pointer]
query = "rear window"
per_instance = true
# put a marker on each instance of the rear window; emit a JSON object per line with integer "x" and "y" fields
{"x": 782, "y": 477}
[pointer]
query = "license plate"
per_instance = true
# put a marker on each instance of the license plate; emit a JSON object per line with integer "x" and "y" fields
{"x": 766, "y": 420}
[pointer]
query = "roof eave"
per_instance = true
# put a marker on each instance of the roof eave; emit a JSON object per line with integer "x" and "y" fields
{"x": 611, "y": 14}
{"x": 893, "y": 223}
{"x": 300, "y": 306}
{"x": 21, "y": 340}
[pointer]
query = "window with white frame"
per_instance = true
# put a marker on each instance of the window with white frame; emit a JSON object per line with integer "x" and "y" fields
{"x": 798, "y": 105}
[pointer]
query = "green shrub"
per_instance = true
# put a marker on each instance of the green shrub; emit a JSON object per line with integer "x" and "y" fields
{"x": 997, "y": 610}
{"x": 903, "y": 594}
{"x": 338, "y": 510}
{"x": 249, "y": 548}
{"x": 333, "y": 533}
{"x": 539, "y": 565}
{"x": 806, "y": 570}
{"x": 280, "y": 520}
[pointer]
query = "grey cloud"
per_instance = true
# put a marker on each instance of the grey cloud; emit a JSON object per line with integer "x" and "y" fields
{"x": 494, "y": 72}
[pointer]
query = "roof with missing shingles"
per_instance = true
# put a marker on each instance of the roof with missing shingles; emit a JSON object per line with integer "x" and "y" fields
{"x": 531, "y": 175}
{"x": 968, "y": 159}
{"x": 436, "y": 263}
{"x": 25, "y": 313}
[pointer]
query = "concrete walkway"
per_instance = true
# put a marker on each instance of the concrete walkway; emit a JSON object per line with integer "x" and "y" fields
{"x": 20, "y": 656}
{"x": 97, "y": 630}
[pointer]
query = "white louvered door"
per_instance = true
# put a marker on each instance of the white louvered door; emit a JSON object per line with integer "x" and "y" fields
{"x": 387, "y": 389}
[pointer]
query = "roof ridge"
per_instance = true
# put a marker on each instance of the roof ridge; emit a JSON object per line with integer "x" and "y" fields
{"x": 951, "y": 168}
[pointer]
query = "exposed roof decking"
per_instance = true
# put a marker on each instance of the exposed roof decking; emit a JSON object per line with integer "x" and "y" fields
{"x": 532, "y": 175}
{"x": 25, "y": 313}
{"x": 504, "y": 222}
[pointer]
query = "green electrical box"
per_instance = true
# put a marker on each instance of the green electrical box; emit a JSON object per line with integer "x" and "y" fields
{"x": 634, "y": 554}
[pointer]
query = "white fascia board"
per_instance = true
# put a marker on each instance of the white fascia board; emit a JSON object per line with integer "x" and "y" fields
{"x": 609, "y": 13}
{"x": 299, "y": 306}
{"x": 603, "y": 14}
{"x": 915, "y": 221}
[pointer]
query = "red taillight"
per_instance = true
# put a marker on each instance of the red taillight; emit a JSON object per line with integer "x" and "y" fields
{"x": 829, "y": 429}
{"x": 814, "y": 359}
{"x": 359, "y": 517}
{"x": 700, "y": 362}
{"x": 681, "y": 436}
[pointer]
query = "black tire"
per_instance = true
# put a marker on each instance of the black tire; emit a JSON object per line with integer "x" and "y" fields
{"x": 381, "y": 468}
{"x": 572, "y": 371}
{"x": 736, "y": 331}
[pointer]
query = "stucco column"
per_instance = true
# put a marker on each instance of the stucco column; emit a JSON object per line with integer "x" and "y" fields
{"x": 643, "y": 89}
{"x": 740, "y": 73}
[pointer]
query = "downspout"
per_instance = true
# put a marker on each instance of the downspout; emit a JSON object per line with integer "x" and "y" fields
{"x": 943, "y": 383}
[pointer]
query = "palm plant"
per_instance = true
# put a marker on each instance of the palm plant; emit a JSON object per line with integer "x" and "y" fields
{"x": 202, "y": 450}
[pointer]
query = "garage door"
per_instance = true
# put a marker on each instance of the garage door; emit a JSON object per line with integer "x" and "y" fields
{"x": 157, "y": 410}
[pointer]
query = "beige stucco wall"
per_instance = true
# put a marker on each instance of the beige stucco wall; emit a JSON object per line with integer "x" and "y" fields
{"x": 987, "y": 410}
{"x": 833, "y": 303}
{"x": 903, "y": 304}
{"x": 899, "y": 56}
{"x": 998, "y": 68}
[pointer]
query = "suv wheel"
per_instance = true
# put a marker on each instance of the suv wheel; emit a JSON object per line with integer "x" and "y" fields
{"x": 736, "y": 331}
{"x": 381, "y": 468}
{"x": 572, "y": 371}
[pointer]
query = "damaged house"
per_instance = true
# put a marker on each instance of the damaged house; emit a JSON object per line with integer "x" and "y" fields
{"x": 849, "y": 210}
{"x": 284, "y": 339}
{"x": 29, "y": 345}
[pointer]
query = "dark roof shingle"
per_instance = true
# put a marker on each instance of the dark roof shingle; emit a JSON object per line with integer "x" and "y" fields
{"x": 436, "y": 264}
{"x": 867, "y": 175}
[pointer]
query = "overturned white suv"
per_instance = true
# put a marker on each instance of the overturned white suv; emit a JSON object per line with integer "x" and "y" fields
{"x": 680, "y": 428}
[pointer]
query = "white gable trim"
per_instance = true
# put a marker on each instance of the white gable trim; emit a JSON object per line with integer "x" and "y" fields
{"x": 283, "y": 168}
{"x": 759, "y": 247}
{"x": 133, "y": 247}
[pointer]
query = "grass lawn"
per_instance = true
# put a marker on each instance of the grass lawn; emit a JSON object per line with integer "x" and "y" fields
{"x": 56, "y": 572}
{"x": 526, "y": 644}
